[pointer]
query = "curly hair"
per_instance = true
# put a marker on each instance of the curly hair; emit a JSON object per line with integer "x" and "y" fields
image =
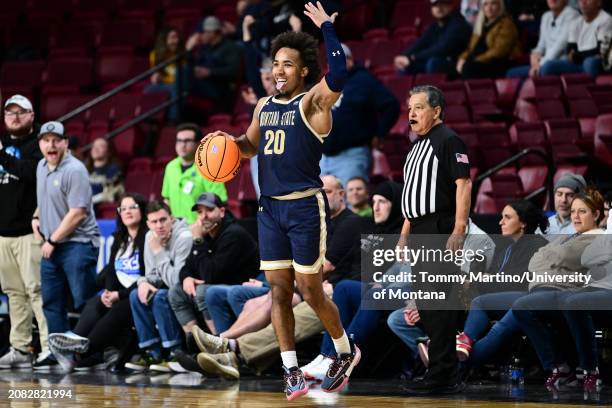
{"x": 308, "y": 48}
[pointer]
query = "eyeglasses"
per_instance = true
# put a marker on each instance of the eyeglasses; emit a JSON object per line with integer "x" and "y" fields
{"x": 185, "y": 141}
{"x": 17, "y": 113}
{"x": 129, "y": 207}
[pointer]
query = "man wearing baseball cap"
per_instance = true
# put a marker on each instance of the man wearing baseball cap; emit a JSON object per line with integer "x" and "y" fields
{"x": 565, "y": 189}
{"x": 215, "y": 65}
{"x": 223, "y": 252}
{"x": 19, "y": 253}
{"x": 438, "y": 47}
{"x": 66, "y": 223}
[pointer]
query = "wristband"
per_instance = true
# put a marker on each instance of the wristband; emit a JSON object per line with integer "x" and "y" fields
{"x": 51, "y": 242}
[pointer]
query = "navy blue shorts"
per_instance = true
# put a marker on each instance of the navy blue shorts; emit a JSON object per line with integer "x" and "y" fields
{"x": 293, "y": 233}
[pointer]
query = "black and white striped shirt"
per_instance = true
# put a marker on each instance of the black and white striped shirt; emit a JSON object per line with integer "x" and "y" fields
{"x": 433, "y": 164}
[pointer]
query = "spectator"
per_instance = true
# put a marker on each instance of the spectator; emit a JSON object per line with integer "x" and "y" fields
{"x": 214, "y": 62}
{"x": 579, "y": 306}
{"x": 469, "y": 10}
{"x": 565, "y": 189}
{"x": 223, "y": 252}
{"x": 19, "y": 251}
{"x": 363, "y": 115}
{"x": 182, "y": 183}
{"x": 342, "y": 260}
{"x": 65, "y": 221}
{"x": 167, "y": 45}
{"x": 607, "y": 204}
{"x": 494, "y": 43}
{"x": 347, "y": 294}
{"x": 519, "y": 220}
{"x": 110, "y": 311}
{"x": 437, "y": 49}
{"x": 166, "y": 248}
{"x": 104, "y": 172}
{"x": 586, "y": 36}
{"x": 552, "y": 45}
{"x": 558, "y": 258}
{"x": 358, "y": 197}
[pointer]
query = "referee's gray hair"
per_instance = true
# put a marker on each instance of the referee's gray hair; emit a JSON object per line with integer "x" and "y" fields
{"x": 435, "y": 97}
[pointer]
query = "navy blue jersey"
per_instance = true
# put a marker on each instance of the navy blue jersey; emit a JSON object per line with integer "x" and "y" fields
{"x": 289, "y": 149}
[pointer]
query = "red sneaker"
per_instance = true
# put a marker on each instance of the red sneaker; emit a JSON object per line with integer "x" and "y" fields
{"x": 592, "y": 382}
{"x": 464, "y": 346}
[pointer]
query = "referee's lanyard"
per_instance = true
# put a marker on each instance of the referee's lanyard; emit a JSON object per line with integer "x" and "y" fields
{"x": 506, "y": 257}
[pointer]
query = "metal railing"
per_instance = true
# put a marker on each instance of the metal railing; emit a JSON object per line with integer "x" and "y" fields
{"x": 143, "y": 116}
{"x": 546, "y": 188}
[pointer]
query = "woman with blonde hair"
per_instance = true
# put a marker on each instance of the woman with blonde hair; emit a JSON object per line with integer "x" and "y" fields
{"x": 494, "y": 42}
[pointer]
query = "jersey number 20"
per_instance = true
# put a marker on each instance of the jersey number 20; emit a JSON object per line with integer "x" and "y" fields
{"x": 275, "y": 142}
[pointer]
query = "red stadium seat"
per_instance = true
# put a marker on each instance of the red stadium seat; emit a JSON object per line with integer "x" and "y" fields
{"x": 528, "y": 135}
{"x": 376, "y": 34}
{"x": 139, "y": 182}
{"x": 603, "y": 139}
{"x": 55, "y": 105}
{"x": 127, "y": 141}
{"x": 494, "y": 143}
{"x": 538, "y": 88}
{"x": 140, "y": 164}
{"x": 76, "y": 72}
{"x": 22, "y": 74}
{"x": 550, "y": 109}
{"x": 125, "y": 106}
{"x": 383, "y": 52}
{"x": 602, "y": 95}
{"x": 456, "y": 114}
{"x": 507, "y": 90}
{"x": 582, "y": 108}
{"x": 454, "y": 93}
{"x": 575, "y": 86}
{"x": 166, "y": 142}
{"x": 429, "y": 79}
{"x": 220, "y": 120}
{"x": 399, "y": 86}
{"x": 124, "y": 34}
{"x": 482, "y": 95}
{"x": 119, "y": 68}
{"x": 564, "y": 137}
{"x": 532, "y": 177}
{"x": 526, "y": 111}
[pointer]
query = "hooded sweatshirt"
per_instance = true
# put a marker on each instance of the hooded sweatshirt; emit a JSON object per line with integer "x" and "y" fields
{"x": 561, "y": 257}
{"x": 365, "y": 109}
{"x": 18, "y": 161}
{"x": 162, "y": 269}
{"x": 392, "y": 191}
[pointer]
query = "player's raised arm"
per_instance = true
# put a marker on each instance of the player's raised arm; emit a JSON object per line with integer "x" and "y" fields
{"x": 324, "y": 94}
{"x": 248, "y": 142}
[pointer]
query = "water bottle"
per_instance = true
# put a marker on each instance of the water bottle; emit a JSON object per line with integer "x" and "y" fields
{"x": 516, "y": 373}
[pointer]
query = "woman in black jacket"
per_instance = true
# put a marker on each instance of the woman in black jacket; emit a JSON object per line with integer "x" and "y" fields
{"x": 109, "y": 312}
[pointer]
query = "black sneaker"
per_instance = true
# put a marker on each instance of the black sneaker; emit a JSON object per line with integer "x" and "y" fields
{"x": 45, "y": 362}
{"x": 188, "y": 362}
{"x": 340, "y": 370}
{"x": 429, "y": 387}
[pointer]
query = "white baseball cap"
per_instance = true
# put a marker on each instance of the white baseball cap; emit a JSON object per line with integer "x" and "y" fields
{"x": 20, "y": 101}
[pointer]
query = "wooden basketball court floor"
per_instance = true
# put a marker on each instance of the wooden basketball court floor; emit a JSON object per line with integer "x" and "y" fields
{"x": 105, "y": 389}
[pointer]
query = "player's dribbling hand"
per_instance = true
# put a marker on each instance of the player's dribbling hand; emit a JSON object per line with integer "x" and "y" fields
{"x": 317, "y": 14}
{"x": 217, "y": 133}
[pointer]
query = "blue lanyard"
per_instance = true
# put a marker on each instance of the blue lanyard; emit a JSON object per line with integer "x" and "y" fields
{"x": 506, "y": 257}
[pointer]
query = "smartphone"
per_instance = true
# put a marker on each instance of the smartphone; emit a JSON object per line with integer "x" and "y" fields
{"x": 150, "y": 297}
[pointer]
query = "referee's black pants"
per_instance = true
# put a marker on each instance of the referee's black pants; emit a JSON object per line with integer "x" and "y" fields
{"x": 439, "y": 325}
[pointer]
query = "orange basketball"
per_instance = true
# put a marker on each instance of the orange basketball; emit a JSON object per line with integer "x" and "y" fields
{"x": 218, "y": 159}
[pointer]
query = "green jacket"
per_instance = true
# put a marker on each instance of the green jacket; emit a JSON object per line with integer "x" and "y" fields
{"x": 182, "y": 189}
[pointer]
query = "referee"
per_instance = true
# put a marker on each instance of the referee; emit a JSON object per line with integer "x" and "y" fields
{"x": 436, "y": 200}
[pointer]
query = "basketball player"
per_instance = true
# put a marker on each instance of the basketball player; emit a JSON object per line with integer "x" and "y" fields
{"x": 293, "y": 213}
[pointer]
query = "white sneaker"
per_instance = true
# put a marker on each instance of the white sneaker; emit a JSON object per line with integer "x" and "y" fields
{"x": 15, "y": 359}
{"x": 317, "y": 370}
{"x": 176, "y": 367}
{"x": 69, "y": 341}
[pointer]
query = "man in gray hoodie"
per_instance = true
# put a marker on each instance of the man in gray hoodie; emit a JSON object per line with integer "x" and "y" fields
{"x": 167, "y": 245}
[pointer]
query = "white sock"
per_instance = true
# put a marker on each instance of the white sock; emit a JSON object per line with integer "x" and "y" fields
{"x": 342, "y": 344}
{"x": 289, "y": 359}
